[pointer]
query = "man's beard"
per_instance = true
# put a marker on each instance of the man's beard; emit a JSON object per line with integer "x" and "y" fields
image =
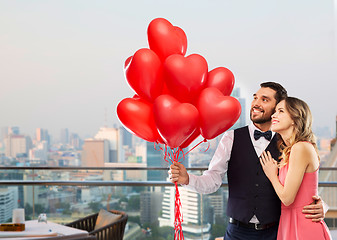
{"x": 260, "y": 120}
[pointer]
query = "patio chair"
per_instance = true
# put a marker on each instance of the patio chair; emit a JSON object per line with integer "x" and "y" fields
{"x": 114, "y": 230}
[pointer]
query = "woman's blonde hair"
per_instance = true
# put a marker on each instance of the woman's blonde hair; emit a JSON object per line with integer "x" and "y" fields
{"x": 301, "y": 115}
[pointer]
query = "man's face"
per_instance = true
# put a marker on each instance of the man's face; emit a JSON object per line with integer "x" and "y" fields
{"x": 263, "y": 105}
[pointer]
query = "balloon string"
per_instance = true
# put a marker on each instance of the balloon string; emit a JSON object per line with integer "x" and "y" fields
{"x": 197, "y": 146}
{"x": 178, "y": 215}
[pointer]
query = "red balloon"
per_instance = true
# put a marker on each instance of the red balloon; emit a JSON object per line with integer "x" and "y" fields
{"x": 166, "y": 39}
{"x": 217, "y": 112}
{"x": 188, "y": 141}
{"x": 221, "y": 78}
{"x": 144, "y": 74}
{"x": 185, "y": 77}
{"x": 136, "y": 115}
{"x": 175, "y": 121}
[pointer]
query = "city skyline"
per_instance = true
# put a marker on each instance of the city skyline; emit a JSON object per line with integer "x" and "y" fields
{"x": 62, "y": 62}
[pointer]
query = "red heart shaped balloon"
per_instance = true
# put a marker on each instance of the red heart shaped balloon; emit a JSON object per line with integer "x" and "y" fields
{"x": 217, "y": 112}
{"x": 136, "y": 115}
{"x": 166, "y": 39}
{"x": 189, "y": 140}
{"x": 185, "y": 77}
{"x": 221, "y": 78}
{"x": 144, "y": 74}
{"x": 175, "y": 121}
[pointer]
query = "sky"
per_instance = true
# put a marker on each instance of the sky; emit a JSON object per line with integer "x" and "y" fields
{"x": 61, "y": 61}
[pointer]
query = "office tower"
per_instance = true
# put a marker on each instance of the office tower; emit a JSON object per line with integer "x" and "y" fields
{"x": 150, "y": 207}
{"x": 95, "y": 153}
{"x": 13, "y": 130}
{"x": 17, "y": 145}
{"x": 127, "y": 137}
{"x": 217, "y": 202}
{"x": 8, "y": 202}
{"x": 195, "y": 217}
{"x": 42, "y": 135}
{"x": 115, "y": 139}
{"x": 75, "y": 141}
{"x": 155, "y": 158}
{"x": 242, "y": 119}
{"x": 39, "y": 152}
{"x": 4, "y": 133}
{"x": 64, "y": 136}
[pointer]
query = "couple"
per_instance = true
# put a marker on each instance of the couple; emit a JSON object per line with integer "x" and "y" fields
{"x": 264, "y": 167}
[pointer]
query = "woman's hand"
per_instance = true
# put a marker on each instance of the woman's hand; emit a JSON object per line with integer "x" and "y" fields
{"x": 269, "y": 165}
{"x": 178, "y": 173}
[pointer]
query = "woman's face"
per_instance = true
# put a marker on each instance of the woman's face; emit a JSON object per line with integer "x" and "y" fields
{"x": 281, "y": 120}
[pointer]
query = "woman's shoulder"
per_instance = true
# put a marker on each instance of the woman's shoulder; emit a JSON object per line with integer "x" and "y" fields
{"x": 305, "y": 150}
{"x": 303, "y": 146}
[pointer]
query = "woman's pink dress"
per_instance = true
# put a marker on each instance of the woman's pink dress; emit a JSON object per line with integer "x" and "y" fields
{"x": 293, "y": 224}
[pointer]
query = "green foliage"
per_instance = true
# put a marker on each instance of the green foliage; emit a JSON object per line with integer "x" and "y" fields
{"x": 95, "y": 206}
{"x": 218, "y": 231}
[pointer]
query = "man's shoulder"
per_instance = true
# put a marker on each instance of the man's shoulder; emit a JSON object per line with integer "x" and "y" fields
{"x": 240, "y": 129}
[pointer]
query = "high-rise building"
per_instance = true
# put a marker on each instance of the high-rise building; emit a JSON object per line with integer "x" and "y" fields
{"x": 64, "y": 136}
{"x": 115, "y": 139}
{"x": 13, "y": 130}
{"x": 39, "y": 152}
{"x": 75, "y": 141}
{"x": 195, "y": 219}
{"x": 8, "y": 202}
{"x": 42, "y": 135}
{"x": 127, "y": 137}
{"x": 95, "y": 153}
{"x": 155, "y": 158}
{"x": 150, "y": 206}
{"x": 17, "y": 145}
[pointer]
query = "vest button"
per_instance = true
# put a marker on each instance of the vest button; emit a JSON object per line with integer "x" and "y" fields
{"x": 256, "y": 185}
{"x": 255, "y": 196}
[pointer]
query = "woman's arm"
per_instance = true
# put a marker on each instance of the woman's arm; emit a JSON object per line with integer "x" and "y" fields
{"x": 299, "y": 159}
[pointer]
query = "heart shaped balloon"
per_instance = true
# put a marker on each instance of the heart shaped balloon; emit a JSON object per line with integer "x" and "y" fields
{"x": 136, "y": 115}
{"x": 189, "y": 140}
{"x": 165, "y": 39}
{"x": 144, "y": 74}
{"x": 217, "y": 112}
{"x": 185, "y": 77}
{"x": 221, "y": 78}
{"x": 175, "y": 121}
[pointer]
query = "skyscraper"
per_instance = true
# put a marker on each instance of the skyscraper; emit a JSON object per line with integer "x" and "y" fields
{"x": 8, "y": 202}
{"x": 95, "y": 153}
{"x": 115, "y": 139}
{"x": 155, "y": 158}
{"x": 64, "y": 136}
{"x": 195, "y": 218}
{"x": 16, "y": 145}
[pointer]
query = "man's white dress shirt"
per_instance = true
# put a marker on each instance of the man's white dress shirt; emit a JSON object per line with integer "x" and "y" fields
{"x": 211, "y": 179}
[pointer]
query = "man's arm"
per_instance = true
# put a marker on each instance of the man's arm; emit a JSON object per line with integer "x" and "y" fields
{"x": 316, "y": 210}
{"x": 211, "y": 179}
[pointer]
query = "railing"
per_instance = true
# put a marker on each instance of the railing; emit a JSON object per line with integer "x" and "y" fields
{"x": 34, "y": 182}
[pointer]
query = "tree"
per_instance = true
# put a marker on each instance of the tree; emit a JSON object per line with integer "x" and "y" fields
{"x": 95, "y": 206}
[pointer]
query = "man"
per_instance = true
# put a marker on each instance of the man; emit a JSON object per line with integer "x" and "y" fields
{"x": 253, "y": 206}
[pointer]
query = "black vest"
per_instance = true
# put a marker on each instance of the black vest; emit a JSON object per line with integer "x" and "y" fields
{"x": 250, "y": 191}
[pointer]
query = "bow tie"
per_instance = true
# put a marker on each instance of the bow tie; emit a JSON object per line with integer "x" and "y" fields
{"x": 267, "y": 135}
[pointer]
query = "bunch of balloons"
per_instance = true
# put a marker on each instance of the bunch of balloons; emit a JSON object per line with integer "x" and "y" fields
{"x": 177, "y": 99}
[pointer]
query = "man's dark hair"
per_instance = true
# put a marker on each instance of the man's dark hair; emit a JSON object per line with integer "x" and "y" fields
{"x": 280, "y": 94}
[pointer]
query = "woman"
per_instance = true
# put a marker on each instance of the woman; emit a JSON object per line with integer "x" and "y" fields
{"x": 298, "y": 170}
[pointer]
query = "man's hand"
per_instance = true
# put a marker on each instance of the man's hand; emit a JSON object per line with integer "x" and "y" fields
{"x": 178, "y": 173}
{"x": 315, "y": 210}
